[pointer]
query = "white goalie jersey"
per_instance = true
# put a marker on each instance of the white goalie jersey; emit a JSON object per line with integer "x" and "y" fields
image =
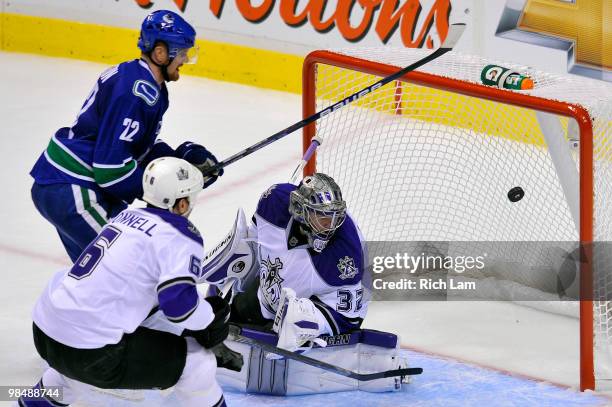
{"x": 332, "y": 279}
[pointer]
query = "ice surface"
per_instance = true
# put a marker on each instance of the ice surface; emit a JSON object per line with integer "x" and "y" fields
{"x": 444, "y": 383}
{"x": 41, "y": 94}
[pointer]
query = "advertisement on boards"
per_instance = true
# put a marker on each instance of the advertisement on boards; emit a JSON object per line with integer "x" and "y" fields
{"x": 560, "y": 36}
{"x": 579, "y": 28}
{"x": 282, "y": 25}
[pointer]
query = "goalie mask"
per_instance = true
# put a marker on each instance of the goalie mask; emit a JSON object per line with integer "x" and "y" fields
{"x": 318, "y": 205}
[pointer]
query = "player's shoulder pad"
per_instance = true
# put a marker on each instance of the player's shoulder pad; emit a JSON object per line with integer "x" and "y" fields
{"x": 273, "y": 205}
{"x": 180, "y": 223}
{"x": 342, "y": 261}
{"x": 137, "y": 79}
{"x": 146, "y": 91}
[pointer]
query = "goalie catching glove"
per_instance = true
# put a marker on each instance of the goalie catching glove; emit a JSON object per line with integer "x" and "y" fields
{"x": 201, "y": 158}
{"x": 298, "y": 323}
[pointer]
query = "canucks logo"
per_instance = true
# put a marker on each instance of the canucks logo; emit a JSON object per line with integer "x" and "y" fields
{"x": 146, "y": 91}
{"x": 347, "y": 268}
{"x": 270, "y": 281}
{"x": 168, "y": 20}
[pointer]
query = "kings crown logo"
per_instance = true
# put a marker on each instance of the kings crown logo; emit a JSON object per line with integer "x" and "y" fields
{"x": 270, "y": 281}
{"x": 268, "y": 192}
{"x": 182, "y": 174}
{"x": 192, "y": 228}
{"x": 347, "y": 268}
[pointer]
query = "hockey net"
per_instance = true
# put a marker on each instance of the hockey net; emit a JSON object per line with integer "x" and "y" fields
{"x": 431, "y": 158}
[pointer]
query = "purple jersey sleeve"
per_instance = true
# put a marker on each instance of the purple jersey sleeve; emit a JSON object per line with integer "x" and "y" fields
{"x": 342, "y": 261}
{"x": 178, "y": 298}
{"x": 273, "y": 205}
{"x": 179, "y": 261}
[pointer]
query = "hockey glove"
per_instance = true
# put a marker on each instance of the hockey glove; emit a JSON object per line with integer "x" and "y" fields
{"x": 201, "y": 158}
{"x": 297, "y": 322}
{"x": 218, "y": 329}
{"x": 228, "y": 358}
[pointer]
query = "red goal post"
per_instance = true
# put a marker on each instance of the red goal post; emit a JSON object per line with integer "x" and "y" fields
{"x": 315, "y": 60}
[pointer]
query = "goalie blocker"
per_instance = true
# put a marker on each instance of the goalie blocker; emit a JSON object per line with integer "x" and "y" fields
{"x": 364, "y": 351}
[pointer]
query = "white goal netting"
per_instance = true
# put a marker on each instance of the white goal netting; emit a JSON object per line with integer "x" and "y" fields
{"x": 424, "y": 163}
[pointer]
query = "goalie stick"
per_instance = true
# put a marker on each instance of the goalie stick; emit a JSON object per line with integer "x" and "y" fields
{"x": 454, "y": 33}
{"x": 236, "y": 335}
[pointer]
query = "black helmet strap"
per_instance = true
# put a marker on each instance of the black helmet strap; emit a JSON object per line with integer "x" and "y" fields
{"x": 163, "y": 68}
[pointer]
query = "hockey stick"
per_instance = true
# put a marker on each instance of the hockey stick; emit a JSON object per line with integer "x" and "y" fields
{"x": 314, "y": 144}
{"x": 236, "y": 335}
{"x": 454, "y": 33}
{"x": 232, "y": 357}
{"x": 227, "y": 288}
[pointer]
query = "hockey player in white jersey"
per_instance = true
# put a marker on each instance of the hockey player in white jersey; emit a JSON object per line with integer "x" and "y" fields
{"x": 300, "y": 272}
{"x": 87, "y": 322}
{"x": 307, "y": 243}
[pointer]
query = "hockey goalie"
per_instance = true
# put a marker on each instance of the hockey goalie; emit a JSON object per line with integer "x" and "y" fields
{"x": 297, "y": 273}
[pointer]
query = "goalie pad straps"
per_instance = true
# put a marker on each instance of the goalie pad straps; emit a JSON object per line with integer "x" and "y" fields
{"x": 298, "y": 323}
{"x": 234, "y": 257}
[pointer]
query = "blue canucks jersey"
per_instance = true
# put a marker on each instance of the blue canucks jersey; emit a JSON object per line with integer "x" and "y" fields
{"x": 113, "y": 137}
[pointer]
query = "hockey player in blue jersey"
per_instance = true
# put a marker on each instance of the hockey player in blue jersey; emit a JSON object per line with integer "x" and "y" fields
{"x": 88, "y": 322}
{"x": 90, "y": 171}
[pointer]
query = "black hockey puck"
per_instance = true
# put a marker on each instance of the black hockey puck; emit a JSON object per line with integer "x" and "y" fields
{"x": 516, "y": 194}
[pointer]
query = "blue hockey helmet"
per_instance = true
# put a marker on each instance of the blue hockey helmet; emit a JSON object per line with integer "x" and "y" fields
{"x": 169, "y": 28}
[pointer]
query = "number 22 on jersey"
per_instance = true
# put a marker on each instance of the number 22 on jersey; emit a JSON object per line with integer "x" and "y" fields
{"x": 132, "y": 125}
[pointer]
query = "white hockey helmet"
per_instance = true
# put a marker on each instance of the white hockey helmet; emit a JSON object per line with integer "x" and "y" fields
{"x": 167, "y": 179}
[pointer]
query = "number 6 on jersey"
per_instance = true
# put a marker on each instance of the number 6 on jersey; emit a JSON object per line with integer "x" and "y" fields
{"x": 91, "y": 256}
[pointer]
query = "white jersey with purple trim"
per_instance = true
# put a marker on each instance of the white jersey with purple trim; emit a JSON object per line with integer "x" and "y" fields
{"x": 332, "y": 279}
{"x": 142, "y": 259}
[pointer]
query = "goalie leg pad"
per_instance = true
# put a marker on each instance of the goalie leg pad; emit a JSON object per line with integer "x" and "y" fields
{"x": 360, "y": 357}
{"x": 288, "y": 377}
